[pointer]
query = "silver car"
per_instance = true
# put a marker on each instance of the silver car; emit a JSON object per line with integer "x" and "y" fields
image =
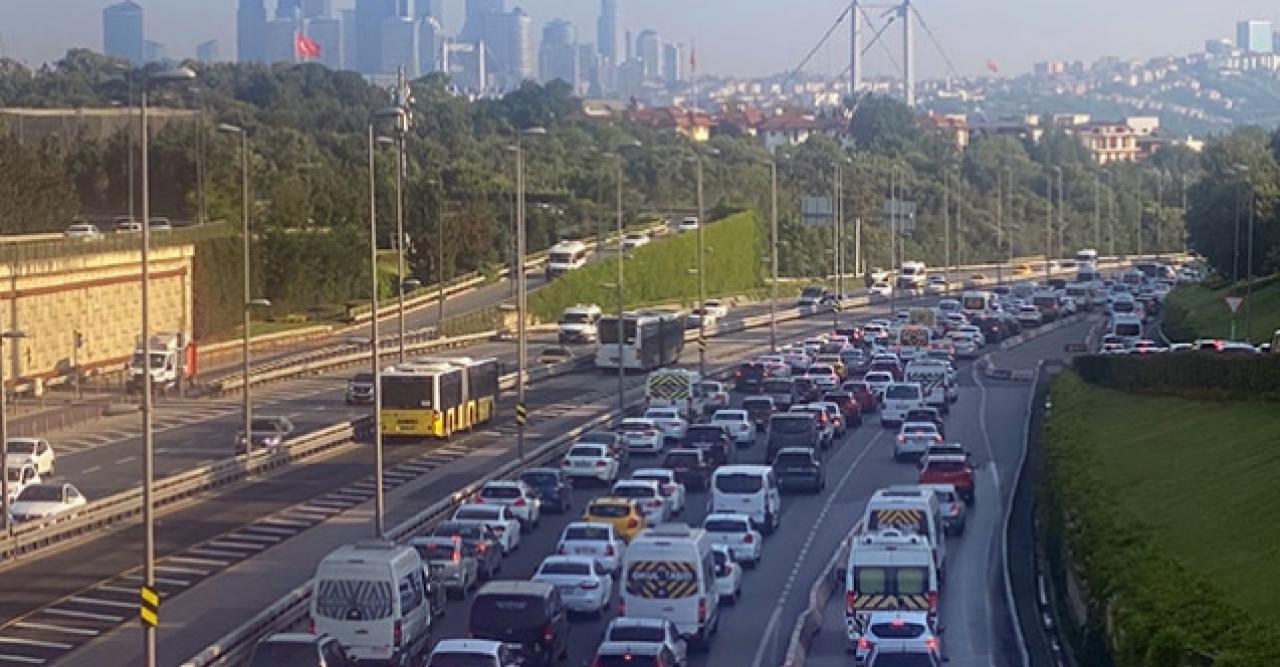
{"x": 448, "y": 559}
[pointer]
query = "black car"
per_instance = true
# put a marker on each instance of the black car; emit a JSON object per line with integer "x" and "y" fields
{"x": 759, "y": 409}
{"x": 927, "y": 414}
{"x": 713, "y": 440}
{"x": 481, "y": 542}
{"x": 552, "y": 486}
{"x": 806, "y": 390}
{"x": 692, "y": 467}
{"x": 799, "y": 467}
{"x": 748, "y": 377}
{"x": 791, "y": 429}
{"x": 302, "y": 650}
{"x": 529, "y": 614}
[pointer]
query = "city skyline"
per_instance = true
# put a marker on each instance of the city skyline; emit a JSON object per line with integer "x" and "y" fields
{"x": 1047, "y": 33}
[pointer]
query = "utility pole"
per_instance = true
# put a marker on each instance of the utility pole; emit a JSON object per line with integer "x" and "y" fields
{"x": 702, "y": 278}
{"x": 1048, "y": 224}
{"x": 1097, "y": 213}
{"x": 946, "y": 226}
{"x": 999, "y": 227}
{"x": 379, "y": 529}
{"x": 1111, "y": 211}
{"x": 1062, "y": 222}
{"x": 835, "y": 247}
{"x": 773, "y": 255}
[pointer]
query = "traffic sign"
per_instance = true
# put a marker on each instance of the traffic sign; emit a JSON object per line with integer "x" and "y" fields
{"x": 1233, "y": 302}
{"x": 149, "y": 609}
{"x": 522, "y": 414}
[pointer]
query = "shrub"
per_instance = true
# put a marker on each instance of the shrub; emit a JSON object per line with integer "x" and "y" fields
{"x": 1195, "y": 375}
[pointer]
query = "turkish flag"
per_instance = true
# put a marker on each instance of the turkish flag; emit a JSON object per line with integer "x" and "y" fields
{"x": 305, "y": 47}
{"x": 993, "y": 67}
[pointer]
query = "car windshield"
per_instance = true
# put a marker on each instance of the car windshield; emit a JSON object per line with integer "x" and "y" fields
{"x": 587, "y": 533}
{"x": 22, "y": 447}
{"x": 565, "y": 567}
{"x": 608, "y": 510}
{"x": 739, "y": 483}
{"x": 39, "y": 493}
{"x": 575, "y": 318}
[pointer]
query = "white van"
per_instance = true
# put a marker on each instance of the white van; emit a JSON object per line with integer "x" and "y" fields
{"x": 899, "y": 399}
{"x": 372, "y": 597}
{"x": 669, "y": 572}
{"x": 912, "y": 509}
{"x": 1127, "y": 326}
{"x": 750, "y": 490}
{"x": 564, "y": 257}
{"x": 888, "y": 570}
{"x": 978, "y": 303}
{"x": 935, "y": 379}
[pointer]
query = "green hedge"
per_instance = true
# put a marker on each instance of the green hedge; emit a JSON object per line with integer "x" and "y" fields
{"x": 1196, "y": 375}
{"x": 1153, "y": 611}
{"x": 217, "y": 287}
{"x": 659, "y": 272}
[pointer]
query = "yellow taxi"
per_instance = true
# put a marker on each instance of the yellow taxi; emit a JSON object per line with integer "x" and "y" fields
{"x": 1022, "y": 270}
{"x": 625, "y": 515}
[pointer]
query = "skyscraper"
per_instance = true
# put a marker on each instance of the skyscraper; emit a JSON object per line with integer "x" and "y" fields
{"x": 609, "y": 30}
{"x": 208, "y": 52}
{"x": 326, "y": 32}
{"x": 287, "y": 9}
{"x": 400, "y": 46}
{"x": 1254, "y": 36}
{"x": 348, "y": 18}
{"x": 508, "y": 40}
{"x": 433, "y": 8}
{"x": 279, "y": 41}
{"x": 251, "y": 31}
{"x": 649, "y": 53}
{"x": 673, "y": 63}
{"x": 317, "y": 9}
{"x": 477, "y": 11}
{"x": 558, "y": 56}
{"x": 430, "y": 45}
{"x": 370, "y": 15}
{"x": 122, "y": 34}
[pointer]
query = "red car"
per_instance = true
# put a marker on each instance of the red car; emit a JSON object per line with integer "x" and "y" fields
{"x": 862, "y": 393}
{"x": 950, "y": 469}
{"x": 850, "y": 407}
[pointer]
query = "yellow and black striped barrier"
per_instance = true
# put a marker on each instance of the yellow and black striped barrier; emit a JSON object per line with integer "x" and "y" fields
{"x": 149, "y": 607}
{"x": 522, "y": 414}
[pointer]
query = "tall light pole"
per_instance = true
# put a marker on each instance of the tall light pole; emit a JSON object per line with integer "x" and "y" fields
{"x": 1097, "y": 213}
{"x": 702, "y": 266}
{"x": 999, "y": 227}
{"x": 181, "y": 74}
{"x": 12, "y": 335}
{"x": 249, "y": 302}
{"x": 622, "y": 255}
{"x": 522, "y": 290}
{"x": 773, "y": 255}
{"x": 946, "y": 224}
{"x": 1062, "y": 252}
{"x": 379, "y": 529}
{"x": 1048, "y": 224}
{"x": 400, "y": 117}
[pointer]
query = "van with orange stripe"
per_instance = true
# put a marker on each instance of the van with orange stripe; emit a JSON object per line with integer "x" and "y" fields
{"x": 888, "y": 570}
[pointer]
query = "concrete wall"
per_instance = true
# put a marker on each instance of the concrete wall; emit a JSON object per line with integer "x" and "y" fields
{"x": 96, "y": 294}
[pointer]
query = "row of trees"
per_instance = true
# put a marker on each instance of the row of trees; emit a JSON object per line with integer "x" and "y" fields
{"x": 309, "y": 126}
{"x": 1232, "y": 216}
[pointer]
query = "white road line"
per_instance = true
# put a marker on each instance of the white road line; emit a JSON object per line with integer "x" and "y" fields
{"x": 330, "y": 504}
{"x": 90, "y": 470}
{"x": 8, "y": 657}
{"x": 228, "y": 544}
{"x": 242, "y": 535}
{"x": 182, "y": 570}
{"x": 125, "y": 460}
{"x": 285, "y": 522}
{"x": 161, "y": 580}
{"x": 32, "y": 642}
{"x": 71, "y": 613}
{"x": 28, "y": 625}
{"x": 349, "y": 497}
{"x": 314, "y": 508}
{"x": 104, "y": 603}
{"x": 196, "y": 561}
{"x": 116, "y": 589}
{"x": 774, "y": 618}
{"x": 269, "y": 530}
{"x": 215, "y": 553}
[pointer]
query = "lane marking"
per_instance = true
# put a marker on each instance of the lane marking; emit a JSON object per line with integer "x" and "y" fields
{"x": 160, "y": 580}
{"x": 9, "y": 657}
{"x": 200, "y": 551}
{"x": 28, "y": 625}
{"x": 90, "y": 470}
{"x": 116, "y": 589}
{"x": 182, "y": 570}
{"x": 34, "y": 642}
{"x": 103, "y": 603}
{"x": 772, "y": 627}
{"x": 125, "y": 460}
{"x": 196, "y": 561}
{"x": 285, "y": 522}
{"x": 269, "y": 530}
{"x": 82, "y": 614}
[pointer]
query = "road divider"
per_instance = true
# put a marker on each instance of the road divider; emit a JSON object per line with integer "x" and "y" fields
{"x": 811, "y": 619}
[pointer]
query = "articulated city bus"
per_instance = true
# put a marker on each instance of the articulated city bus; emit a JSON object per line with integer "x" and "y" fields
{"x": 437, "y": 397}
{"x": 651, "y": 339}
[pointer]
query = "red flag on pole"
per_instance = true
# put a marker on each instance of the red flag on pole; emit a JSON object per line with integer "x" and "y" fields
{"x": 993, "y": 67}
{"x": 305, "y": 47}
{"x": 693, "y": 58}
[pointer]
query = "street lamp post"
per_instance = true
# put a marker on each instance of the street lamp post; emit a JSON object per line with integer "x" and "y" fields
{"x": 622, "y": 369}
{"x": 378, "y": 504}
{"x": 522, "y": 290}
{"x": 1048, "y": 224}
{"x": 12, "y": 335}
{"x": 702, "y": 268}
{"x": 773, "y": 255}
{"x": 1062, "y": 252}
{"x": 398, "y": 141}
{"x": 182, "y": 74}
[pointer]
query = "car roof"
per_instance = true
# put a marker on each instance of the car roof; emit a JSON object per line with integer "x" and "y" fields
{"x": 638, "y": 622}
{"x": 653, "y": 471}
{"x": 796, "y": 450}
{"x": 517, "y": 587}
{"x": 610, "y": 500}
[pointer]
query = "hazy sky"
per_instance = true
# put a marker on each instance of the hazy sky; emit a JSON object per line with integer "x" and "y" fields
{"x": 741, "y": 37}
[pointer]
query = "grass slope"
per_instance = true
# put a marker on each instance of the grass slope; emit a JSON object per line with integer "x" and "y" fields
{"x": 1197, "y": 311}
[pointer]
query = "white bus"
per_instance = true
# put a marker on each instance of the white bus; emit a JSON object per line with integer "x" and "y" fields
{"x": 564, "y": 257}
{"x": 1087, "y": 256}
{"x": 650, "y": 339}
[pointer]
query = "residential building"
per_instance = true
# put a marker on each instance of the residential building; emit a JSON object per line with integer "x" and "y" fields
{"x": 558, "y": 56}
{"x": 609, "y": 31}
{"x": 431, "y": 40}
{"x": 1254, "y": 36}
{"x": 370, "y": 16}
{"x": 792, "y": 129}
{"x": 317, "y": 9}
{"x": 649, "y": 53}
{"x": 473, "y": 30}
{"x": 208, "y": 52}
{"x": 691, "y": 123}
{"x": 327, "y": 33}
{"x": 400, "y": 46}
{"x": 251, "y": 31}
{"x": 1109, "y": 142}
{"x": 122, "y": 34}
{"x": 1024, "y": 128}
{"x": 673, "y": 63}
{"x": 955, "y": 127}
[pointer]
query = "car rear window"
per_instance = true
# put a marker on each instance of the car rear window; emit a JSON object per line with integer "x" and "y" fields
{"x": 540, "y": 478}
{"x": 587, "y": 533}
{"x": 494, "y": 614}
{"x": 797, "y": 424}
{"x": 794, "y": 460}
{"x": 500, "y": 492}
{"x": 919, "y": 429}
{"x": 947, "y": 466}
{"x": 271, "y": 654}
{"x": 914, "y": 658}
{"x": 608, "y": 510}
{"x": 635, "y": 426}
{"x": 738, "y": 483}
{"x": 636, "y": 634}
{"x": 459, "y": 660}
{"x": 634, "y": 491}
{"x": 565, "y": 567}
{"x": 879, "y": 377}
{"x": 725, "y": 526}
{"x": 626, "y": 660}
{"x": 443, "y": 551}
{"x": 586, "y": 451}
{"x": 903, "y": 392}
{"x": 353, "y": 599}
{"x": 683, "y": 458}
{"x": 777, "y": 386}
{"x": 476, "y": 513}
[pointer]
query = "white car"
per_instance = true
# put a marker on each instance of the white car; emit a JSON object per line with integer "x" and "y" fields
{"x": 669, "y": 421}
{"x": 585, "y": 584}
{"x": 672, "y": 491}
{"x": 974, "y": 332}
{"x": 21, "y": 475}
{"x": 688, "y": 224}
{"x": 82, "y": 231}
{"x": 897, "y": 629}
{"x": 824, "y": 376}
{"x": 36, "y": 451}
{"x": 728, "y": 574}
{"x": 519, "y": 498}
{"x": 936, "y": 284}
{"x": 497, "y": 517}
{"x": 595, "y": 540}
{"x": 1029, "y": 317}
{"x": 473, "y": 652}
{"x": 628, "y": 629}
{"x": 735, "y": 532}
{"x": 585, "y": 460}
{"x": 648, "y": 495}
{"x": 965, "y": 346}
{"x": 633, "y": 240}
{"x": 641, "y": 435}
{"x": 699, "y": 317}
{"x": 914, "y": 439}
{"x": 878, "y": 381}
{"x": 882, "y": 290}
{"x": 716, "y": 307}
{"x": 715, "y": 396}
{"x": 738, "y": 424}
{"x": 45, "y": 501}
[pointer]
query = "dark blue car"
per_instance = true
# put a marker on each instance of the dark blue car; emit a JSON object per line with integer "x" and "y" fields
{"x": 552, "y": 486}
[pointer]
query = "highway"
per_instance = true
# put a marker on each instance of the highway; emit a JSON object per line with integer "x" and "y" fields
{"x": 231, "y": 585}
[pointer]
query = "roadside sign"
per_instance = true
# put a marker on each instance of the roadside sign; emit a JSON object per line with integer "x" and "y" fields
{"x": 1233, "y": 302}
{"x": 816, "y": 210}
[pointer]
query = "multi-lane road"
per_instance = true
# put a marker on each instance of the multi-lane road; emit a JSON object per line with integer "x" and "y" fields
{"x": 229, "y": 555}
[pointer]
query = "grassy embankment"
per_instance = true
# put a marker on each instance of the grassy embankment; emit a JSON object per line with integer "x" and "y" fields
{"x": 1198, "y": 311}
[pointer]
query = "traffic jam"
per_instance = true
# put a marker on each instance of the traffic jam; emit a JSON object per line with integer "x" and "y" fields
{"x": 663, "y": 518}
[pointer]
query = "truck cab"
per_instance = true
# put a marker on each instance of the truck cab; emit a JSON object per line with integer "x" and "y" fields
{"x": 162, "y": 355}
{"x": 579, "y": 324}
